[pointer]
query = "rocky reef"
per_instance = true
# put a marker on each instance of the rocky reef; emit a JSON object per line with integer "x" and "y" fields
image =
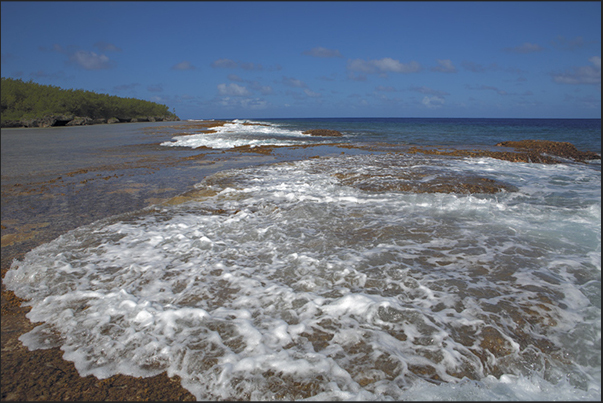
{"x": 535, "y": 151}
{"x": 546, "y": 147}
{"x": 323, "y": 132}
{"x": 71, "y": 120}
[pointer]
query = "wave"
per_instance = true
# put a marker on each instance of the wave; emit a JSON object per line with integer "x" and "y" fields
{"x": 241, "y": 133}
{"x": 319, "y": 279}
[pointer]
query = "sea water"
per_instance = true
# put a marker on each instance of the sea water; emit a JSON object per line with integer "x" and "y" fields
{"x": 321, "y": 279}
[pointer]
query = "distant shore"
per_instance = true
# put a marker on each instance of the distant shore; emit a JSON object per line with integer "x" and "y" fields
{"x": 70, "y": 120}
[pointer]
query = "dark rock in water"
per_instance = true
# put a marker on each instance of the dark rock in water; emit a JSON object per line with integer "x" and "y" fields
{"x": 416, "y": 183}
{"x": 323, "y": 132}
{"x": 558, "y": 148}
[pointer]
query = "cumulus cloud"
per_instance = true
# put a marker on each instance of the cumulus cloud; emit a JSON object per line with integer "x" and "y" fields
{"x": 322, "y": 52}
{"x": 526, "y": 47}
{"x": 106, "y": 47}
{"x": 185, "y": 65}
{"x": 581, "y": 75}
{"x": 224, "y": 64}
{"x": 444, "y": 66}
{"x": 433, "y": 102}
{"x": 233, "y": 89}
{"x": 244, "y": 103}
{"x": 90, "y": 60}
{"x": 293, "y": 82}
{"x": 252, "y": 84}
{"x": 312, "y": 94}
{"x": 85, "y": 59}
{"x": 382, "y": 66}
{"x": 262, "y": 89}
{"x": 251, "y": 66}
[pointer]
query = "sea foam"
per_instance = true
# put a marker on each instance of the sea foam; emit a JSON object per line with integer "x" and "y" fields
{"x": 289, "y": 284}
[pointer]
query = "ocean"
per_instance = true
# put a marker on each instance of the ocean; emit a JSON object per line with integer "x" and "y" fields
{"x": 348, "y": 275}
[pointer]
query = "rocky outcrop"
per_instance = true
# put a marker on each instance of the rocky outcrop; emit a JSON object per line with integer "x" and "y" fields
{"x": 323, "y": 132}
{"x": 70, "y": 120}
{"x": 78, "y": 121}
{"x": 557, "y": 148}
{"x": 531, "y": 151}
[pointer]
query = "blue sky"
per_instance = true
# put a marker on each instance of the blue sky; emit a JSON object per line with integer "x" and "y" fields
{"x": 317, "y": 59}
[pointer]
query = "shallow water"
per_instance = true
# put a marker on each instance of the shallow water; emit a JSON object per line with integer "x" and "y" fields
{"x": 318, "y": 279}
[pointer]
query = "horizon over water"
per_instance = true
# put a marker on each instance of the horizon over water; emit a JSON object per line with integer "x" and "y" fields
{"x": 340, "y": 277}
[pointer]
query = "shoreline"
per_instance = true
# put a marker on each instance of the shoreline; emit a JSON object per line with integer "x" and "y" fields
{"x": 70, "y": 120}
{"x": 107, "y": 191}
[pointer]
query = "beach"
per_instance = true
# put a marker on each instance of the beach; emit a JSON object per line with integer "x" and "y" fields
{"x": 297, "y": 243}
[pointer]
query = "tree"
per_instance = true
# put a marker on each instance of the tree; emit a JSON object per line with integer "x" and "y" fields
{"x": 27, "y": 100}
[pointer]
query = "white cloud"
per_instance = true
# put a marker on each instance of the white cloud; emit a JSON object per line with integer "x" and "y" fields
{"x": 433, "y": 102}
{"x": 312, "y": 94}
{"x": 385, "y": 65}
{"x": 233, "y": 89}
{"x": 263, "y": 89}
{"x": 225, "y": 63}
{"x": 185, "y": 65}
{"x": 293, "y": 82}
{"x": 90, "y": 60}
{"x": 582, "y": 74}
{"x": 322, "y": 52}
{"x": 525, "y": 48}
{"x": 107, "y": 47}
{"x": 444, "y": 66}
{"x": 244, "y": 103}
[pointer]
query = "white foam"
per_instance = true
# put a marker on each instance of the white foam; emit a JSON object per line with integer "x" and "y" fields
{"x": 308, "y": 288}
{"x": 241, "y": 133}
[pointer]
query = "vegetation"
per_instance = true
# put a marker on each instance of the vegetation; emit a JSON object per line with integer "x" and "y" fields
{"x": 28, "y": 100}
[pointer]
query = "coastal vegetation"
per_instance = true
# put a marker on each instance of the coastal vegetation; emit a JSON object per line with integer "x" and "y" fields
{"x": 28, "y": 104}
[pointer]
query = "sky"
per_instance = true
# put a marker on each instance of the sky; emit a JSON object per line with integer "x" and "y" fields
{"x": 296, "y": 59}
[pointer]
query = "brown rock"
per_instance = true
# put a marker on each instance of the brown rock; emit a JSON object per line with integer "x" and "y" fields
{"x": 323, "y": 132}
{"x": 558, "y": 148}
